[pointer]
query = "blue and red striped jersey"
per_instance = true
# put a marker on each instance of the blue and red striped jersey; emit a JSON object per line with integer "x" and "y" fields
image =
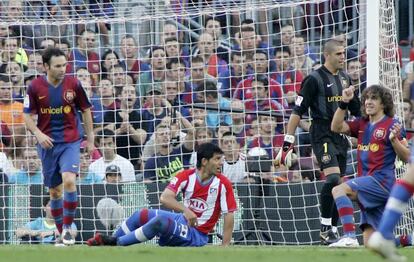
{"x": 57, "y": 107}
{"x": 375, "y": 152}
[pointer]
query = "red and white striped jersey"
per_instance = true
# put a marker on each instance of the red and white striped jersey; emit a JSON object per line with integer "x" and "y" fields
{"x": 206, "y": 199}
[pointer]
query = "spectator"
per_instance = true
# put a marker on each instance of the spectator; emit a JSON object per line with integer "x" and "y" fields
{"x": 129, "y": 52}
{"x": 173, "y": 51}
{"x": 64, "y": 45}
{"x": 11, "y": 112}
{"x": 267, "y": 139}
{"x": 15, "y": 72}
{"x": 30, "y": 171}
{"x": 15, "y": 19}
{"x": 35, "y": 63}
{"x": 207, "y": 94}
{"x": 118, "y": 76}
{"x": 342, "y": 37}
{"x": 155, "y": 108}
{"x": 128, "y": 127}
{"x": 171, "y": 88}
{"x": 198, "y": 77}
{"x": 221, "y": 44}
{"x": 234, "y": 166}
{"x": 239, "y": 126}
{"x": 177, "y": 72}
{"x": 301, "y": 61}
{"x": 286, "y": 75}
{"x": 46, "y": 43}
{"x": 43, "y": 229}
{"x": 12, "y": 51}
{"x": 113, "y": 174}
{"x": 110, "y": 58}
{"x": 245, "y": 92}
{"x": 157, "y": 73}
{"x": 167, "y": 160}
{"x": 229, "y": 79}
{"x": 84, "y": 55}
{"x": 85, "y": 176}
{"x": 106, "y": 142}
{"x": 202, "y": 135}
{"x": 261, "y": 102}
{"x": 103, "y": 102}
{"x": 354, "y": 70}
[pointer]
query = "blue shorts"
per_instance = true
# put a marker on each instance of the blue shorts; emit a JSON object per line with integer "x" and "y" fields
{"x": 372, "y": 197}
{"x": 183, "y": 235}
{"x": 62, "y": 157}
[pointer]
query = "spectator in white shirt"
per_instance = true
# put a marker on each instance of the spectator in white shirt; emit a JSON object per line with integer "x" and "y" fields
{"x": 106, "y": 142}
{"x": 234, "y": 166}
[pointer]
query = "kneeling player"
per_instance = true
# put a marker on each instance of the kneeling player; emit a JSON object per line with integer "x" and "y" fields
{"x": 206, "y": 193}
{"x": 380, "y": 140}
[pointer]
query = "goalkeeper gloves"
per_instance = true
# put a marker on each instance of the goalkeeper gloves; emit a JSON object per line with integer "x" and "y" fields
{"x": 285, "y": 154}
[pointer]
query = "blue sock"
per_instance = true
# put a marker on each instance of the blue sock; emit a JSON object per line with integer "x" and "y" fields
{"x": 400, "y": 194}
{"x": 135, "y": 221}
{"x": 159, "y": 225}
{"x": 346, "y": 214}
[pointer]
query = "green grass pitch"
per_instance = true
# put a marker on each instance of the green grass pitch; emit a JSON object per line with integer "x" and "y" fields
{"x": 37, "y": 253}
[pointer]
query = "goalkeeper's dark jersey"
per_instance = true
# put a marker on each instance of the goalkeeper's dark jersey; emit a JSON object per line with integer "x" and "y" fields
{"x": 321, "y": 91}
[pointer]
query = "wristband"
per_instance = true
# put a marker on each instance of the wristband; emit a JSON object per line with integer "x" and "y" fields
{"x": 343, "y": 105}
{"x": 289, "y": 139}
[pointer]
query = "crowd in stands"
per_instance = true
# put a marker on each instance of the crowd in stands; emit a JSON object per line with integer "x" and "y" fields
{"x": 151, "y": 113}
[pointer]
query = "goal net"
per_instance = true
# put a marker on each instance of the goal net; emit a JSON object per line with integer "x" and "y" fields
{"x": 166, "y": 76}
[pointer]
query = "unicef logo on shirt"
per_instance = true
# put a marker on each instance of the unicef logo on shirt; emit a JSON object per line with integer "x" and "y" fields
{"x": 198, "y": 205}
{"x": 67, "y": 109}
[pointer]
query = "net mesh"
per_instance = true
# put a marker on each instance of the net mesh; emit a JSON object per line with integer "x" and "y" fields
{"x": 166, "y": 76}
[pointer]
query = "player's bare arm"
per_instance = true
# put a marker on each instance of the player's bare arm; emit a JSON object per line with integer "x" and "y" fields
{"x": 228, "y": 228}
{"x": 168, "y": 199}
{"x": 88, "y": 125}
{"x": 400, "y": 146}
{"x": 44, "y": 141}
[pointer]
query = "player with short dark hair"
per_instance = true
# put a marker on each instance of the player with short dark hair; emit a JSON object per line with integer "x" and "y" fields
{"x": 56, "y": 99}
{"x": 321, "y": 91}
{"x": 380, "y": 140}
{"x": 207, "y": 194}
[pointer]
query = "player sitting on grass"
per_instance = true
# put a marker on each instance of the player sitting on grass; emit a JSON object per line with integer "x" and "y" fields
{"x": 380, "y": 140}
{"x": 206, "y": 194}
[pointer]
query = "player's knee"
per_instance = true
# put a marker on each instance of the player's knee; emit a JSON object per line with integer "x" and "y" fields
{"x": 333, "y": 179}
{"x": 160, "y": 224}
{"x": 338, "y": 191}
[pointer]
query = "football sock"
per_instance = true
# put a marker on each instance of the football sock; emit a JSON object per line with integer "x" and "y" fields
{"x": 70, "y": 202}
{"x": 346, "y": 214}
{"x": 56, "y": 206}
{"x": 135, "y": 221}
{"x": 159, "y": 225}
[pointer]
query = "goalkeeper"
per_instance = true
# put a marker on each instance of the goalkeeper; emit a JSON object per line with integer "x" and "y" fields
{"x": 321, "y": 91}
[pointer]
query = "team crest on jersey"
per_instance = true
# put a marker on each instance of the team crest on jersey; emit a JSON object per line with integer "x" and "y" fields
{"x": 344, "y": 82}
{"x": 213, "y": 191}
{"x": 326, "y": 158}
{"x": 69, "y": 96}
{"x": 379, "y": 133}
{"x": 198, "y": 205}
